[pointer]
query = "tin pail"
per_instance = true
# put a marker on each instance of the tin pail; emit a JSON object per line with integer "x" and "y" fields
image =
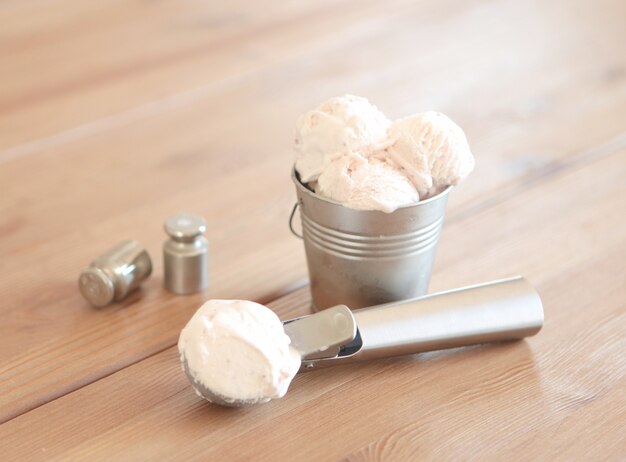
{"x": 363, "y": 258}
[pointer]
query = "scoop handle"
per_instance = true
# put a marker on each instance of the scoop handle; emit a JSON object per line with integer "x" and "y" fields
{"x": 495, "y": 311}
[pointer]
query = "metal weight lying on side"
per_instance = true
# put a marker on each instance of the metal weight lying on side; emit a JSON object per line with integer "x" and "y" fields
{"x": 113, "y": 275}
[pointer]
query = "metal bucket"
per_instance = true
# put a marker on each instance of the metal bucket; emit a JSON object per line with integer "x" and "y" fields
{"x": 363, "y": 258}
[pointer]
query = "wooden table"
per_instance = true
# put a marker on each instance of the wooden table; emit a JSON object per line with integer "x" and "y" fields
{"x": 114, "y": 115}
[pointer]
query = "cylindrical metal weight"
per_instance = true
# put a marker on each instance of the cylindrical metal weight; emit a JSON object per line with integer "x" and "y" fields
{"x": 186, "y": 254}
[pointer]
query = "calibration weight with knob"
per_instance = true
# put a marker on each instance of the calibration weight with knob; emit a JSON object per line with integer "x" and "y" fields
{"x": 186, "y": 254}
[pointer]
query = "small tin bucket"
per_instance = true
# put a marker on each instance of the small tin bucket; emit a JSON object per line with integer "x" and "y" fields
{"x": 363, "y": 258}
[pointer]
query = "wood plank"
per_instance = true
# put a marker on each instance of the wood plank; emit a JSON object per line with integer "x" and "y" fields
{"x": 65, "y": 202}
{"x": 103, "y": 59}
{"x": 162, "y": 51}
{"x": 477, "y": 402}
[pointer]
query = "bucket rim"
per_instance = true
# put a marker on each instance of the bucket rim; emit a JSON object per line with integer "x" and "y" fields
{"x": 295, "y": 178}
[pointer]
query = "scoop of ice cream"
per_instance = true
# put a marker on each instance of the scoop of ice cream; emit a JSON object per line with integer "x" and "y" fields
{"x": 365, "y": 182}
{"x": 344, "y": 122}
{"x": 432, "y": 151}
{"x": 239, "y": 351}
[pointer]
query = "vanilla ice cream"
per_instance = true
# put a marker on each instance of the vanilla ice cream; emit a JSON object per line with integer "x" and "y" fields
{"x": 348, "y": 151}
{"x": 239, "y": 351}
{"x": 347, "y": 121}
{"x": 367, "y": 183}
{"x": 431, "y": 150}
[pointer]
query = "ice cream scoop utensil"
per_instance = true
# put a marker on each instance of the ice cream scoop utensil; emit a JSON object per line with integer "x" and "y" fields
{"x": 319, "y": 335}
{"x": 496, "y": 311}
{"x": 502, "y": 310}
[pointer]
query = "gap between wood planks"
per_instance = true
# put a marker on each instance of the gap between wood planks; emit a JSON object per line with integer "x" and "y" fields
{"x": 579, "y": 159}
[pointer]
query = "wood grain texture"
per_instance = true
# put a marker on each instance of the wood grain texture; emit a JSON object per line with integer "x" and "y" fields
{"x": 126, "y": 176}
{"x": 115, "y": 114}
{"x": 483, "y": 402}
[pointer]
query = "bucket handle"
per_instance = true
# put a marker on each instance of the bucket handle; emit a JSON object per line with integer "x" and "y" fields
{"x": 293, "y": 212}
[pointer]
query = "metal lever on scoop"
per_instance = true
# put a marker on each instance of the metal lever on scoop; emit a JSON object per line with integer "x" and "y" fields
{"x": 496, "y": 311}
{"x": 322, "y": 334}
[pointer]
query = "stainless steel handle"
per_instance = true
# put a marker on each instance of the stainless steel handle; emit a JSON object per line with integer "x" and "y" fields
{"x": 501, "y": 310}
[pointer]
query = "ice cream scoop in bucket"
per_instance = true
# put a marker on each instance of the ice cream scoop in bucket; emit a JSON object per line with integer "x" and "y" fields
{"x": 367, "y": 257}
